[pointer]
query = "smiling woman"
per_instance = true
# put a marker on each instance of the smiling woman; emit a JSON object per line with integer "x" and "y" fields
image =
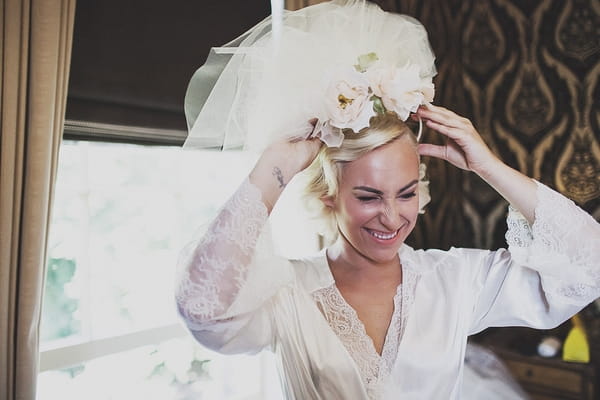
{"x": 368, "y": 317}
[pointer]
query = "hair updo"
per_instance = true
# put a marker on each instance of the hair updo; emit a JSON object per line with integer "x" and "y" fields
{"x": 323, "y": 175}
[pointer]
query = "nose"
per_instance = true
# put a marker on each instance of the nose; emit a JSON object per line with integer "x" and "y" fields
{"x": 390, "y": 216}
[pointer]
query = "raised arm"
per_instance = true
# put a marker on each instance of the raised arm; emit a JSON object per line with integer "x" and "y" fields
{"x": 553, "y": 244}
{"x": 225, "y": 278}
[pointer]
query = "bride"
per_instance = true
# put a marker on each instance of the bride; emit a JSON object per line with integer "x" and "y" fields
{"x": 369, "y": 317}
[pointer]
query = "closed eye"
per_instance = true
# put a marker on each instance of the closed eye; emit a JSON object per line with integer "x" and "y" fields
{"x": 366, "y": 198}
{"x": 408, "y": 195}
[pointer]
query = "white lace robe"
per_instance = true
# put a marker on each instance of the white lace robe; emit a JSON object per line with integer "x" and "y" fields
{"x": 236, "y": 295}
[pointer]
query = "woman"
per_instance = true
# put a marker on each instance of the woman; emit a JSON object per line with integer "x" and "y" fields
{"x": 370, "y": 317}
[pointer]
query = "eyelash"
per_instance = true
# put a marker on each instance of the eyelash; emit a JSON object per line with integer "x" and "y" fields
{"x": 406, "y": 196}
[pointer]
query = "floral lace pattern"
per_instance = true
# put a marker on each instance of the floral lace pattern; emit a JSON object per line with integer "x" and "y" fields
{"x": 345, "y": 323}
{"x": 562, "y": 243}
{"x": 519, "y": 232}
{"x": 217, "y": 266}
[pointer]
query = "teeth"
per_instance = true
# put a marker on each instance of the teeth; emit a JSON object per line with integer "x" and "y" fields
{"x": 383, "y": 236}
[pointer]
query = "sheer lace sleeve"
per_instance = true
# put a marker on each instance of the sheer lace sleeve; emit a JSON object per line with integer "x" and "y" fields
{"x": 227, "y": 277}
{"x": 550, "y": 271}
{"x": 562, "y": 245}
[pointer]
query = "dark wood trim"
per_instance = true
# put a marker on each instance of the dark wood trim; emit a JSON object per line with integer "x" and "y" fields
{"x": 96, "y": 131}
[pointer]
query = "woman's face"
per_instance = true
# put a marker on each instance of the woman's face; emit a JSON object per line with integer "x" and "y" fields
{"x": 377, "y": 203}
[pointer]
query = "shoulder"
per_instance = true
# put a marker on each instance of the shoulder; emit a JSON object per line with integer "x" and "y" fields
{"x": 456, "y": 260}
{"x": 312, "y": 272}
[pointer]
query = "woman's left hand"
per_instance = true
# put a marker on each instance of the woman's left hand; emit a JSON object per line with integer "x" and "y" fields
{"x": 464, "y": 148}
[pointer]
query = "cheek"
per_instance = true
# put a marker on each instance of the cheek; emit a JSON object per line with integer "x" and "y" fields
{"x": 355, "y": 213}
{"x": 414, "y": 209}
{"x": 414, "y": 216}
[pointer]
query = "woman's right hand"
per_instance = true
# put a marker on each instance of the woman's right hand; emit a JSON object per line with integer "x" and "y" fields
{"x": 292, "y": 156}
{"x": 279, "y": 163}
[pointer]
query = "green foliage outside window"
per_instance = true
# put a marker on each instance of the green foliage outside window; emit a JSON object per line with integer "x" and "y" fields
{"x": 58, "y": 317}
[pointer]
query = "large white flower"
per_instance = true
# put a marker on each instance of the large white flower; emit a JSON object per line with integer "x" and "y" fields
{"x": 347, "y": 100}
{"x": 401, "y": 90}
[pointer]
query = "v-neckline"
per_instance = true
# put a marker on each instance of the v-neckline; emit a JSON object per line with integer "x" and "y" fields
{"x": 396, "y": 299}
{"x": 344, "y": 323}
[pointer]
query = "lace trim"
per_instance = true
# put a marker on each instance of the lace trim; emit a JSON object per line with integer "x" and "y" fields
{"x": 213, "y": 272}
{"x": 519, "y": 232}
{"x": 347, "y": 326}
{"x": 344, "y": 321}
{"x": 562, "y": 245}
{"x": 409, "y": 282}
{"x": 392, "y": 337}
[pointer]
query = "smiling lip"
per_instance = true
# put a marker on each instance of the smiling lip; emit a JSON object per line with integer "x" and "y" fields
{"x": 383, "y": 237}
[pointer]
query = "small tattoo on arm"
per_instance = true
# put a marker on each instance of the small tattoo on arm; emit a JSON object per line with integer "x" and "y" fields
{"x": 279, "y": 175}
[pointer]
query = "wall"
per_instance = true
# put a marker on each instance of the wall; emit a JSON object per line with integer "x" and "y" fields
{"x": 526, "y": 73}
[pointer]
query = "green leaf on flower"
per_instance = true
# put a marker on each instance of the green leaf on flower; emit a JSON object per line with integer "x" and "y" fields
{"x": 378, "y": 105}
{"x": 365, "y": 61}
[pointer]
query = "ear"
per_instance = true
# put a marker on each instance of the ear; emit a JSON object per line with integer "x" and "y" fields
{"x": 329, "y": 201}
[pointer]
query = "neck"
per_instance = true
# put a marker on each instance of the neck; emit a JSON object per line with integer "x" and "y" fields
{"x": 348, "y": 265}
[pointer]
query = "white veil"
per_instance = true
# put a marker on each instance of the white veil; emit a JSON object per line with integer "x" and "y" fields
{"x": 266, "y": 85}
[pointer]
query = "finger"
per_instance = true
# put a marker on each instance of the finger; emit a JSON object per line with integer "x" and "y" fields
{"x": 438, "y": 109}
{"x": 452, "y": 132}
{"x": 432, "y": 150}
{"x": 444, "y": 116}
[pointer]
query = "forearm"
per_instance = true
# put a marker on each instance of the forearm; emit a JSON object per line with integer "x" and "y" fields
{"x": 269, "y": 177}
{"x": 518, "y": 189}
{"x": 278, "y": 165}
{"x": 213, "y": 270}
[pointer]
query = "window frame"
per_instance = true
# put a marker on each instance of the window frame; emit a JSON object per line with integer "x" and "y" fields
{"x": 67, "y": 353}
{"x": 72, "y": 351}
{"x": 78, "y": 349}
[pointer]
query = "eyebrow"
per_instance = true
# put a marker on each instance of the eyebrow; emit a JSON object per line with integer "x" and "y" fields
{"x": 379, "y": 192}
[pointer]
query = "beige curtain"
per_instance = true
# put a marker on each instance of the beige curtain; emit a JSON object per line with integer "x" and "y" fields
{"x": 36, "y": 37}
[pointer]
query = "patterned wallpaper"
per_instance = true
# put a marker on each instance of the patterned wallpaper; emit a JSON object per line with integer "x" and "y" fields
{"x": 527, "y": 74}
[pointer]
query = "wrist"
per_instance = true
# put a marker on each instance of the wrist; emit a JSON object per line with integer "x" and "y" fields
{"x": 278, "y": 156}
{"x": 271, "y": 177}
{"x": 488, "y": 169}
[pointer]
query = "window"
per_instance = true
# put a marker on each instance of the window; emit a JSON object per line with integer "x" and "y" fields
{"x": 109, "y": 326}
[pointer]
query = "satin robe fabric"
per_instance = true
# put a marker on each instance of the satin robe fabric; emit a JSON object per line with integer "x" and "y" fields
{"x": 451, "y": 295}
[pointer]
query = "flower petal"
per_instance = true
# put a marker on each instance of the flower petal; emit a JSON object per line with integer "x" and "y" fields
{"x": 363, "y": 118}
{"x": 331, "y": 136}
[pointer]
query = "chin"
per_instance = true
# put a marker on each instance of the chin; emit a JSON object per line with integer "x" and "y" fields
{"x": 372, "y": 250}
{"x": 379, "y": 254}
{"x": 382, "y": 257}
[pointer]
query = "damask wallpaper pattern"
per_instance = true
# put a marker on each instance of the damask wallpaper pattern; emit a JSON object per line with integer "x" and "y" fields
{"x": 527, "y": 74}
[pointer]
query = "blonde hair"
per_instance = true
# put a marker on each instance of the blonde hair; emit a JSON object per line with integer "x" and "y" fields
{"x": 324, "y": 174}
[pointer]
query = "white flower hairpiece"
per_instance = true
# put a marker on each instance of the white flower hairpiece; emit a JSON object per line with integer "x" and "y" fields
{"x": 369, "y": 88}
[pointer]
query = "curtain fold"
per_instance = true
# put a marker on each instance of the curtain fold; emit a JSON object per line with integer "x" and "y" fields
{"x": 36, "y": 37}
